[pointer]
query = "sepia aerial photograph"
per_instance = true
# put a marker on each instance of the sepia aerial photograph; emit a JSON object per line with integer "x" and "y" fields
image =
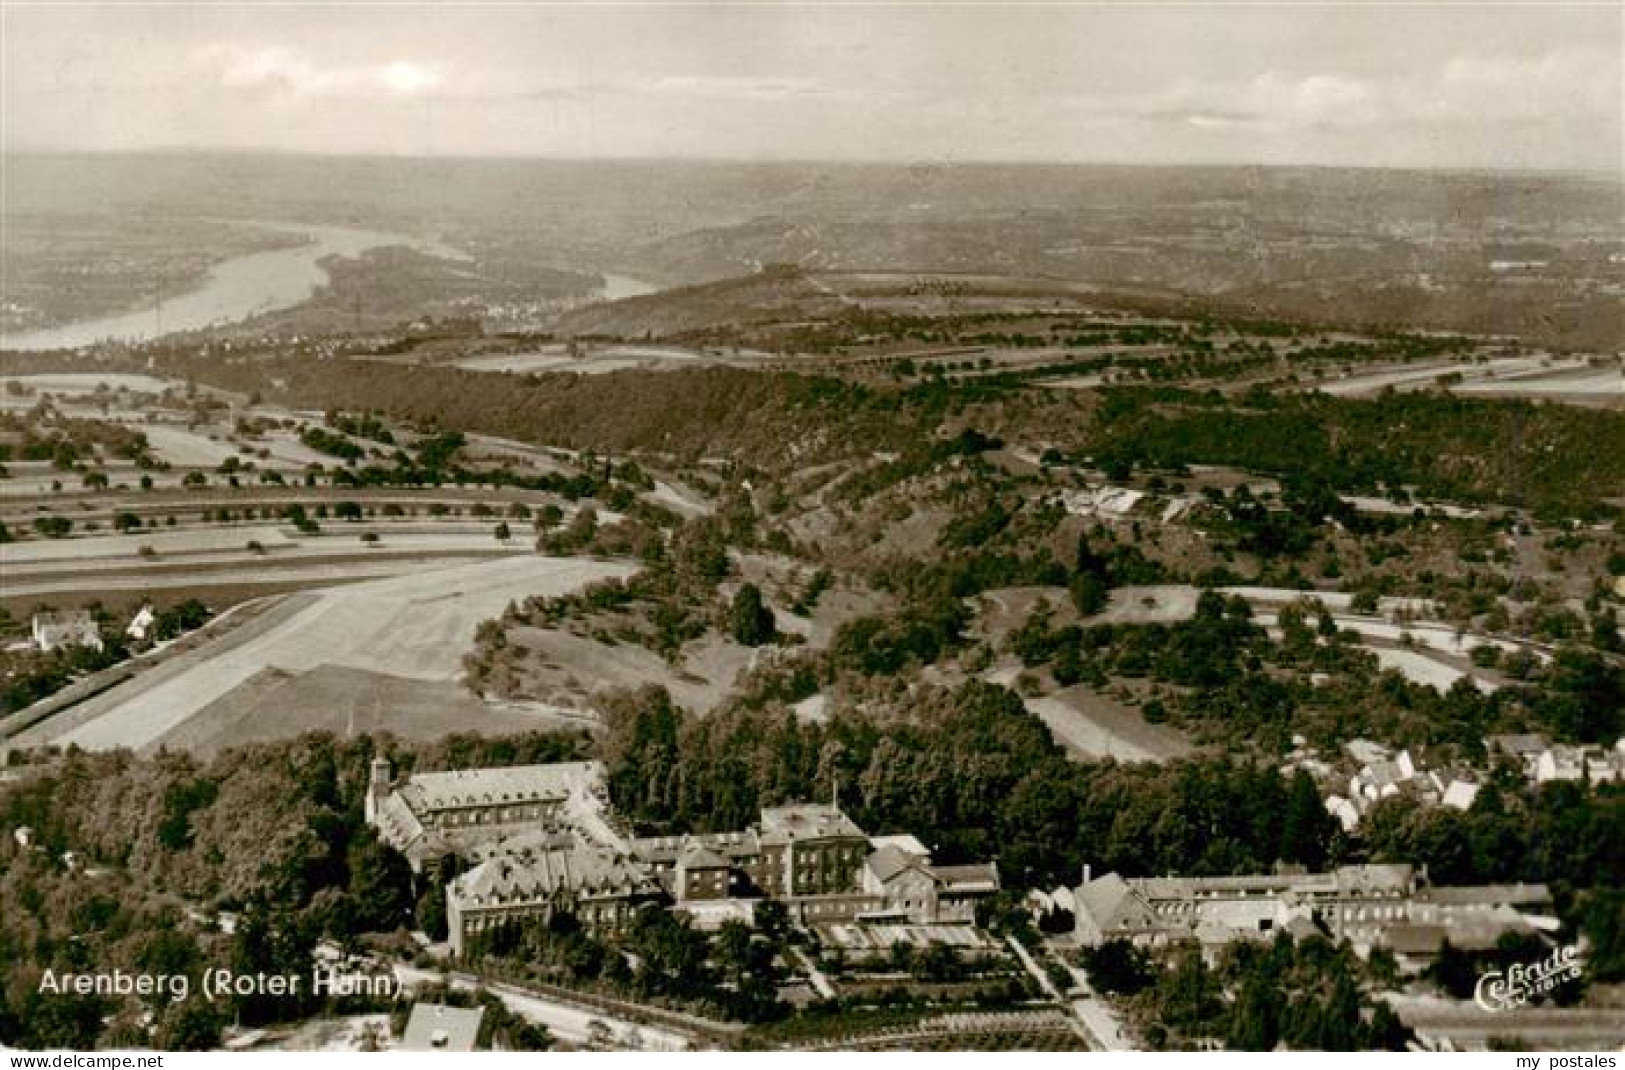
{"x": 812, "y": 527}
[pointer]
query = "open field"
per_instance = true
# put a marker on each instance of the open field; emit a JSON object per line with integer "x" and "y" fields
{"x": 220, "y": 545}
{"x": 1570, "y": 379}
{"x": 170, "y": 499}
{"x": 83, "y": 384}
{"x": 506, "y": 449}
{"x": 205, "y": 557}
{"x": 565, "y": 669}
{"x": 1426, "y": 652}
{"x": 1369, "y": 504}
{"x": 15, "y": 556}
{"x": 1088, "y": 724}
{"x": 206, "y": 447}
{"x": 1153, "y": 604}
{"x": 273, "y": 704}
{"x": 594, "y": 361}
{"x": 1007, "y": 608}
{"x": 185, "y": 657}
{"x": 1558, "y": 384}
{"x": 1419, "y": 668}
{"x": 1092, "y": 725}
{"x": 33, "y": 479}
{"x": 1373, "y": 380}
{"x": 1336, "y": 601}
{"x": 413, "y": 627}
{"x": 184, "y": 448}
{"x": 679, "y": 499}
{"x": 282, "y": 573}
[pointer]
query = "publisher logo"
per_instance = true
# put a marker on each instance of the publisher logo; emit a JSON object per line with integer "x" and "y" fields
{"x": 1521, "y": 982}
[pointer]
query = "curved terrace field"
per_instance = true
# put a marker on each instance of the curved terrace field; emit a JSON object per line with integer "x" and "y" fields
{"x": 414, "y": 627}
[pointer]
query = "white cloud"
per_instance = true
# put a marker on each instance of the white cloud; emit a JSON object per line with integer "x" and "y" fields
{"x": 291, "y": 74}
{"x": 1575, "y": 83}
{"x": 1435, "y": 85}
{"x": 741, "y": 87}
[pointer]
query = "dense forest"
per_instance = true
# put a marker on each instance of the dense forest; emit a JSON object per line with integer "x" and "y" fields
{"x": 975, "y": 775}
{"x": 1554, "y": 459}
{"x": 1304, "y": 995}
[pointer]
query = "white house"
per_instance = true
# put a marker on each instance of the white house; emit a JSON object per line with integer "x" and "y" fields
{"x": 1459, "y": 794}
{"x": 1560, "y": 762}
{"x": 1344, "y": 810}
{"x": 141, "y": 623}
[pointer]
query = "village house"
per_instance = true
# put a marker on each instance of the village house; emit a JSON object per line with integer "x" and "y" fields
{"x": 1523, "y": 749}
{"x": 141, "y": 624}
{"x": 54, "y": 631}
{"x": 1347, "y": 814}
{"x": 1592, "y": 764}
{"x": 1543, "y": 761}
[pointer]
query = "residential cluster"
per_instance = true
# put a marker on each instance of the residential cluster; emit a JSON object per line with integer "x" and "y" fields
{"x": 1543, "y": 761}
{"x": 1372, "y": 772}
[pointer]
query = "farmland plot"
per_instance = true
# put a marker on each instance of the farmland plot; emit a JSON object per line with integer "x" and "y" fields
{"x": 415, "y": 627}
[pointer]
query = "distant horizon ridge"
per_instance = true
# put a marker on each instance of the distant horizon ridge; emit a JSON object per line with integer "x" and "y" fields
{"x": 791, "y": 161}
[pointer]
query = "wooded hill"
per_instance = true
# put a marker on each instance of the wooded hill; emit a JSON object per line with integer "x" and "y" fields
{"x": 1551, "y": 458}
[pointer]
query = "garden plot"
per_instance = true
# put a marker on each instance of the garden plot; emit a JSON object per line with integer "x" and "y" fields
{"x": 872, "y": 937}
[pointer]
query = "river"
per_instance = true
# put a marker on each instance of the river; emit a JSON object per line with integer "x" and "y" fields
{"x": 245, "y": 286}
{"x": 617, "y": 287}
{"x": 234, "y": 289}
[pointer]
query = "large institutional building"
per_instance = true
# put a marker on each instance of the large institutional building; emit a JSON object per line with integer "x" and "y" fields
{"x": 542, "y": 840}
{"x": 1371, "y": 906}
{"x": 430, "y": 815}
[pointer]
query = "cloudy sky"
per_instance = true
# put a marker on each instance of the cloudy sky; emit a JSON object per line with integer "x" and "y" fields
{"x": 1445, "y": 85}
